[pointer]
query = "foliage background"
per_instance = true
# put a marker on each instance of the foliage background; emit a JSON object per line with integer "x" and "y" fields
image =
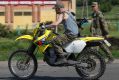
{"x": 9, "y": 45}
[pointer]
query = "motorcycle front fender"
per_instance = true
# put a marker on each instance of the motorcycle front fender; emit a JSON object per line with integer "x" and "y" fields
{"x": 27, "y": 37}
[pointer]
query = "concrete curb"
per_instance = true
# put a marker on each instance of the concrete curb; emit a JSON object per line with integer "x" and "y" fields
{"x": 116, "y": 61}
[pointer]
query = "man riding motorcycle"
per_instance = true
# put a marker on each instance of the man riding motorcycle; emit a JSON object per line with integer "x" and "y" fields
{"x": 71, "y": 30}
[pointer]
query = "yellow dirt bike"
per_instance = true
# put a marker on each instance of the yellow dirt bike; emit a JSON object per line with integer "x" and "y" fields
{"x": 88, "y": 62}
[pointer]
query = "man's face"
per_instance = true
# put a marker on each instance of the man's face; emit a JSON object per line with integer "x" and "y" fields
{"x": 58, "y": 11}
{"x": 95, "y": 8}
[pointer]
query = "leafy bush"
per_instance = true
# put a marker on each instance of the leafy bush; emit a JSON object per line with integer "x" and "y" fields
{"x": 4, "y": 30}
{"x": 7, "y": 33}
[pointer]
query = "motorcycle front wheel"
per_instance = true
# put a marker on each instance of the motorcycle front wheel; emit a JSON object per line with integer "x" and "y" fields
{"x": 22, "y": 65}
{"x": 94, "y": 64}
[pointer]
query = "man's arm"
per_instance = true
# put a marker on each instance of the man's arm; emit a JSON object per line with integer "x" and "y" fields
{"x": 103, "y": 24}
{"x": 59, "y": 20}
{"x": 91, "y": 26}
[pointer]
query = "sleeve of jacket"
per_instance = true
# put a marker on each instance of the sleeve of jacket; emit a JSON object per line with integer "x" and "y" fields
{"x": 92, "y": 25}
{"x": 103, "y": 24}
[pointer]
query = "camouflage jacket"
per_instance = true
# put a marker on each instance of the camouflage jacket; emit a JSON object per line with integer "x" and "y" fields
{"x": 99, "y": 22}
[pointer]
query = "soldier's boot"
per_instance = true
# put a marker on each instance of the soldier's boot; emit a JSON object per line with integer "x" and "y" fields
{"x": 61, "y": 55}
{"x": 110, "y": 57}
{"x": 61, "y": 60}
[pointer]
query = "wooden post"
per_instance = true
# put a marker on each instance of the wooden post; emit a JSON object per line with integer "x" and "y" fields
{"x": 38, "y": 14}
{"x": 33, "y": 13}
{"x": 12, "y": 13}
{"x": 11, "y": 16}
{"x": 73, "y": 5}
{"x": 6, "y": 13}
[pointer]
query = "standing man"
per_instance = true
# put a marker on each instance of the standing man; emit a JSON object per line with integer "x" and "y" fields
{"x": 71, "y": 30}
{"x": 99, "y": 28}
{"x": 99, "y": 25}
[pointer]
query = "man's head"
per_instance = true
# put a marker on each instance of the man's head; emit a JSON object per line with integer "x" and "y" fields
{"x": 59, "y": 7}
{"x": 95, "y": 6}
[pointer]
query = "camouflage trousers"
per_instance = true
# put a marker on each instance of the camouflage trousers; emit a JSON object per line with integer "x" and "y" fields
{"x": 61, "y": 40}
{"x": 97, "y": 32}
{"x": 106, "y": 50}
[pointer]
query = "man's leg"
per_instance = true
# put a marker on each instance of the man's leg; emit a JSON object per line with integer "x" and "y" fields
{"x": 108, "y": 53}
{"x": 61, "y": 55}
{"x": 57, "y": 43}
{"x": 97, "y": 32}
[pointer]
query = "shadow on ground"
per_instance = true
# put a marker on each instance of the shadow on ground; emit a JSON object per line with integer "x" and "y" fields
{"x": 45, "y": 78}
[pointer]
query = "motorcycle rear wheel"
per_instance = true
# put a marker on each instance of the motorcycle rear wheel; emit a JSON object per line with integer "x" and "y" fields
{"x": 93, "y": 59}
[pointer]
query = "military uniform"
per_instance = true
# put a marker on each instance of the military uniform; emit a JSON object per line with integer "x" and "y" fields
{"x": 99, "y": 26}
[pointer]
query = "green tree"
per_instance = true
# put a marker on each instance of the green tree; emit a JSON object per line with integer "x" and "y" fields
{"x": 114, "y": 2}
{"x": 105, "y": 6}
{"x": 79, "y": 3}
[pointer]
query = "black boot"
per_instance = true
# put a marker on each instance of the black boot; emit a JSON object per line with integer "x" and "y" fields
{"x": 61, "y": 60}
{"x": 61, "y": 55}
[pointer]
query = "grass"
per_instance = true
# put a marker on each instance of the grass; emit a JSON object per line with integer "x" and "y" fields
{"x": 113, "y": 13}
{"x": 114, "y": 34}
{"x": 115, "y": 53}
{"x": 7, "y": 46}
